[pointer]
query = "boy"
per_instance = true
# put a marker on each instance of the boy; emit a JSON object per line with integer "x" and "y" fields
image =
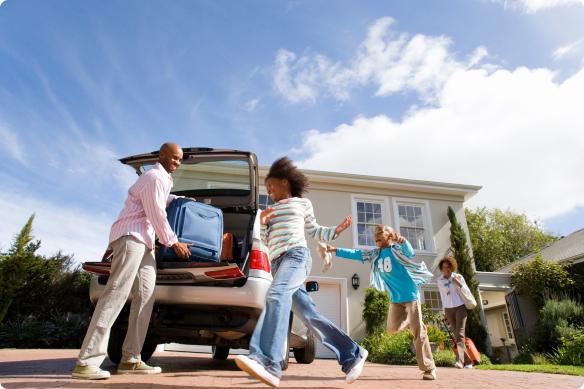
{"x": 392, "y": 269}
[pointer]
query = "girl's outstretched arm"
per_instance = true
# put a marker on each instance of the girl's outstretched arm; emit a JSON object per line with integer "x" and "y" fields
{"x": 354, "y": 254}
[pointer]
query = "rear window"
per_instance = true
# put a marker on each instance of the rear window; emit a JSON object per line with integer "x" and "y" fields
{"x": 211, "y": 178}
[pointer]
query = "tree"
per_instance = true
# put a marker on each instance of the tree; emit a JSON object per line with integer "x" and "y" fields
{"x": 474, "y": 328}
{"x": 43, "y": 300}
{"x": 540, "y": 278}
{"x": 501, "y": 237}
{"x": 14, "y": 265}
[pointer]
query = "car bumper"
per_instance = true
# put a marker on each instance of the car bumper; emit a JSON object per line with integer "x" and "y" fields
{"x": 251, "y": 295}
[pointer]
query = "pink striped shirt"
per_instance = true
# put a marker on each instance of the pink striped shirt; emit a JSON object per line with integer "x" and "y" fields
{"x": 144, "y": 211}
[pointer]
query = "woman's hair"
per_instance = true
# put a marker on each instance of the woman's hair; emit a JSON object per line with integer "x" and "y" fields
{"x": 450, "y": 259}
{"x": 283, "y": 168}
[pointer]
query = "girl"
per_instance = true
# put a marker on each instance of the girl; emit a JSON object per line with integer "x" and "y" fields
{"x": 392, "y": 269}
{"x": 454, "y": 309}
{"x": 283, "y": 231}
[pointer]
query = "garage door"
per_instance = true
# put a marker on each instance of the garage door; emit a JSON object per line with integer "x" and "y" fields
{"x": 328, "y": 302}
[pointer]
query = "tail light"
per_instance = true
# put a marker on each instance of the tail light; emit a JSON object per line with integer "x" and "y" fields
{"x": 259, "y": 260}
{"x": 225, "y": 274}
{"x": 107, "y": 256}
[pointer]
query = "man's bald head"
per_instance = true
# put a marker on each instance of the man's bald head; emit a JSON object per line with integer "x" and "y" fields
{"x": 170, "y": 156}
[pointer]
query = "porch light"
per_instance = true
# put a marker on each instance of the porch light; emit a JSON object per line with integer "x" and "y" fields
{"x": 355, "y": 281}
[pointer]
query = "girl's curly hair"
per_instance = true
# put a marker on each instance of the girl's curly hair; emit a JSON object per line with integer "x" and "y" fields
{"x": 283, "y": 168}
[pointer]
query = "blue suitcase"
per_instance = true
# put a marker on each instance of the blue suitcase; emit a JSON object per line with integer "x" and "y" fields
{"x": 196, "y": 223}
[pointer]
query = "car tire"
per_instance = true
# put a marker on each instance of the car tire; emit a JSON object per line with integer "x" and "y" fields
{"x": 148, "y": 349}
{"x": 306, "y": 354}
{"x": 114, "y": 346}
{"x": 286, "y": 360}
{"x": 220, "y": 353}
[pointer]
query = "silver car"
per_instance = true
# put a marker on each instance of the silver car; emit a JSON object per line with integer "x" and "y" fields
{"x": 215, "y": 304}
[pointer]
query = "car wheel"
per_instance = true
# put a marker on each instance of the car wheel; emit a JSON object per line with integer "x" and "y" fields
{"x": 306, "y": 354}
{"x": 220, "y": 352}
{"x": 114, "y": 346}
{"x": 286, "y": 359}
{"x": 148, "y": 349}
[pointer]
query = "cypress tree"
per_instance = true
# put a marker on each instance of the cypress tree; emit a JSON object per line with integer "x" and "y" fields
{"x": 474, "y": 328}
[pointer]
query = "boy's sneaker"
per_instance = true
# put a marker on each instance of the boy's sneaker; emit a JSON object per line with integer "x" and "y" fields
{"x": 137, "y": 368}
{"x": 256, "y": 370}
{"x": 356, "y": 371}
{"x": 458, "y": 365}
{"x": 429, "y": 375}
{"x": 90, "y": 372}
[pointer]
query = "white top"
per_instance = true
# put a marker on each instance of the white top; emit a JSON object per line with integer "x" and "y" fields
{"x": 449, "y": 292}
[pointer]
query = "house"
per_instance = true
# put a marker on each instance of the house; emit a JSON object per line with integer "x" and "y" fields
{"x": 418, "y": 210}
{"x": 568, "y": 251}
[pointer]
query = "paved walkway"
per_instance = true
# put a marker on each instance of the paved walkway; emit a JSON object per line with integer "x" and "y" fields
{"x": 51, "y": 369}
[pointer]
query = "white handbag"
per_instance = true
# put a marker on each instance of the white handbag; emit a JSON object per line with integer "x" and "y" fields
{"x": 464, "y": 292}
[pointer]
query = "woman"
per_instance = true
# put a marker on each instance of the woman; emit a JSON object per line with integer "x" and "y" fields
{"x": 450, "y": 284}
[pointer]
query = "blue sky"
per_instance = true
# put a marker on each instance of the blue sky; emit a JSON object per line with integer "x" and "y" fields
{"x": 476, "y": 92}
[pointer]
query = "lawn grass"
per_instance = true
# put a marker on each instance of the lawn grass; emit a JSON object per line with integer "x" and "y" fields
{"x": 555, "y": 369}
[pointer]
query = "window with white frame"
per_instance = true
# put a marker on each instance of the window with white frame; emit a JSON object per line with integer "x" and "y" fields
{"x": 432, "y": 300}
{"x": 412, "y": 224}
{"x": 508, "y": 328}
{"x": 369, "y": 214}
{"x": 265, "y": 201}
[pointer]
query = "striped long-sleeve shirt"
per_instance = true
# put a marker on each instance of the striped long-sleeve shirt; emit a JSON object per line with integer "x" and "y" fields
{"x": 144, "y": 211}
{"x": 286, "y": 230}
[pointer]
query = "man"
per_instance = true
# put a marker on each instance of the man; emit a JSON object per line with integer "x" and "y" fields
{"x": 133, "y": 269}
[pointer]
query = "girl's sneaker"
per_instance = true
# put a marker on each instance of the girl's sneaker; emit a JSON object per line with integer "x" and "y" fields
{"x": 429, "y": 375}
{"x": 469, "y": 366}
{"x": 356, "y": 371}
{"x": 256, "y": 370}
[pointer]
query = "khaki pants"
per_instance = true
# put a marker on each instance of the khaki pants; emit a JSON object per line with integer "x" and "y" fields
{"x": 133, "y": 270}
{"x": 456, "y": 317}
{"x": 409, "y": 314}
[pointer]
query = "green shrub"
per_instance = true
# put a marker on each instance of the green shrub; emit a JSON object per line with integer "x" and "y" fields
{"x": 571, "y": 352}
{"x": 431, "y": 317}
{"x": 391, "y": 349}
{"x": 523, "y": 358}
{"x": 540, "y": 359}
{"x": 485, "y": 360}
{"x": 375, "y": 309}
{"x": 59, "y": 331}
{"x": 558, "y": 319}
{"x": 444, "y": 358}
{"x": 436, "y": 335}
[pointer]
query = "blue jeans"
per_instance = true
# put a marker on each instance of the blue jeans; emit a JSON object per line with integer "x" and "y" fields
{"x": 288, "y": 292}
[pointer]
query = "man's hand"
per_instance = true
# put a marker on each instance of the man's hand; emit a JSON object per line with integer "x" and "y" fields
{"x": 182, "y": 250}
{"x": 267, "y": 215}
{"x": 344, "y": 224}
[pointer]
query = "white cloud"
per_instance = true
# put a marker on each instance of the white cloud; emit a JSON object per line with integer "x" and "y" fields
{"x": 59, "y": 227}
{"x": 566, "y": 50}
{"x": 517, "y": 133}
{"x": 388, "y": 61}
{"x": 532, "y": 6}
{"x": 10, "y": 143}
{"x": 252, "y": 104}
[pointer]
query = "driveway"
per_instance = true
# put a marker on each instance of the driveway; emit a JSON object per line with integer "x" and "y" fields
{"x": 51, "y": 369}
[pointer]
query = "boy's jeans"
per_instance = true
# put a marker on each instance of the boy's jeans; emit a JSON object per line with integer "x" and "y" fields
{"x": 287, "y": 291}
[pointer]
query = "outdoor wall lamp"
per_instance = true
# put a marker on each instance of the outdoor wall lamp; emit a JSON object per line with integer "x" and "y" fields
{"x": 355, "y": 281}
